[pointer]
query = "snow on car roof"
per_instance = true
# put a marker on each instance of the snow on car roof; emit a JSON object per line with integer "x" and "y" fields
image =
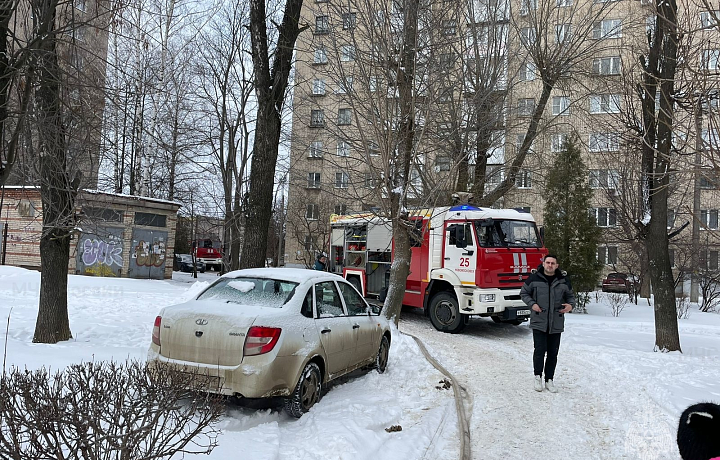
{"x": 297, "y": 275}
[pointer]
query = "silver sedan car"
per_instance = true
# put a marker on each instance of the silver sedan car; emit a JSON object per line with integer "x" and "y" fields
{"x": 272, "y": 332}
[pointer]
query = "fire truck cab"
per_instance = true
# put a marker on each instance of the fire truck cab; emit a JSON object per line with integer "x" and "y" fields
{"x": 465, "y": 261}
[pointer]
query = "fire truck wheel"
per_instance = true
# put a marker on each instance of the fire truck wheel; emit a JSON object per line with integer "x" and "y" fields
{"x": 445, "y": 314}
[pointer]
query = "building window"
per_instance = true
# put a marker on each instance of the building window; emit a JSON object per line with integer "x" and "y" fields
{"x": 343, "y": 149}
{"x": 671, "y": 213}
{"x": 605, "y": 103}
{"x": 563, "y": 33}
{"x": 349, "y": 21}
{"x": 527, "y": 36}
{"x": 560, "y": 105}
{"x": 519, "y": 142}
{"x": 604, "y": 142}
{"x": 369, "y": 180}
{"x": 81, "y": 5}
{"x": 314, "y": 180}
{"x": 322, "y": 24}
{"x": 609, "y": 28}
{"x": 709, "y": 19}
{"x": 340, "y": 209}
{"x": 709, "y": 180}
{"x": 373, "y": 84}
{"x": 564, "y": 3}
{"x": 345, "y": 86}
{"x": 709, "y": 218}
{"x": 320, "y": 56}
{"x": 604, "y": 178}
{"x": 309, "y": 243}
{"x": 347, "y": 53}
{"x": 449, "y": 27}
{"x": 317, "y": 118}
{"x": 373, "y": 148}
{"x": 318, "y": 87}
{"x": 150, "y": 219}
{"x": 709, "y": 260}
{"x": 710, "y": 59}
{"x": 607, "y": 255}
{"x": 446, "y": 94}
{"x": 95, "y": 214}
{"x": 312, "y": 212}
{"x": 442, "y": 163}
{"x": 525, "y": 107}
{"x": 557, "y": 142}
{"x": 341, "y": 180}
{"x": 523, "y": 179}
{"x": 528, "y": 5}
{"x": 527, "y": 71}
{"x": 344, "y": 117}
{"x": 606, "y": 66}
{"x": 604, "y": 217}
{"x": 493, "y": 174}
{"x": 316, "y": 149}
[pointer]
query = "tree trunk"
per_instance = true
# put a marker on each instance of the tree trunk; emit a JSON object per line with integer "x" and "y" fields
{"x": 270, "y": 88}
{"x": 657, "y": 150}
{"x": 58, "y": 190}
{"x": 53, "y": 324}
{"x": 399, "y": 270}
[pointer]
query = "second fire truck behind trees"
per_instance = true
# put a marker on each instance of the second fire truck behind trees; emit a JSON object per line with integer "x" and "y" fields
{"x": 465, "y": 261}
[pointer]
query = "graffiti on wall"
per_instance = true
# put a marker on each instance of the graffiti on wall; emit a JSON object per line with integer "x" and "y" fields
{"x": 96, "y": 251}
{"x": 150, "y": 254}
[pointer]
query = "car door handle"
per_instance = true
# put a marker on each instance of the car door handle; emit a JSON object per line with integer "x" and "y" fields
{"x": 469, "y": 253}
{"x": 325, "y": 331}
{"x": 447, "y": 258}
{"x": 356, "y": 326}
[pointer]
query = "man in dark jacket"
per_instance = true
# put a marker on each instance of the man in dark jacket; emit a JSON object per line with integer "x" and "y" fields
{"x": 549, "y": 294}
{"x": 321, "y": 263}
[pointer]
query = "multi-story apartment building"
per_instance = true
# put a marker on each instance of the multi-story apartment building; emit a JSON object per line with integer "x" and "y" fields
{"x": 483, "y": 76}
{"x": 81, "y": 32}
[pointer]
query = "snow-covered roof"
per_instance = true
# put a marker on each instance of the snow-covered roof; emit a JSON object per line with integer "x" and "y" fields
{"x": 131, "y": 197}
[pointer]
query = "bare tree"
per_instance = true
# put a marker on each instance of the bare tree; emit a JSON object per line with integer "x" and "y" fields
{"x": 271, "y": 82}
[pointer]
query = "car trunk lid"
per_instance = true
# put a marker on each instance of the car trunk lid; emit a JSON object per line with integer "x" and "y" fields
{"x": 207, "y": 332}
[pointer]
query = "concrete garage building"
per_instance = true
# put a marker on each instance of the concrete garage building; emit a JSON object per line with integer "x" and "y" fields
{"x": 117, "y": 235}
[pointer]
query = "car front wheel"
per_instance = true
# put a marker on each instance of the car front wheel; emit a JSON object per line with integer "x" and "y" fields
{"x": 383, "y": 353}
{"x": 307, "y": 391}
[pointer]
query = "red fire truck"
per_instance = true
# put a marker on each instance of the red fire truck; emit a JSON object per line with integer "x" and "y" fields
{"x": 465, "y": 261}
{"x": 209, "y": 252}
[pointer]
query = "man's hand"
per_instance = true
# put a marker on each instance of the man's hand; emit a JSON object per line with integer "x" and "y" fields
{"x": 536, "y": 308}
{"x": 567, "y": 309}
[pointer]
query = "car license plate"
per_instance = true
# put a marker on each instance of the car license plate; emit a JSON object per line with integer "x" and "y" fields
{"x": 523, "y": 312}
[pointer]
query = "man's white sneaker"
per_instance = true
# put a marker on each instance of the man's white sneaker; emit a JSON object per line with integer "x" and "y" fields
{"x": 538, "y": 383}
{"x": 550, "y": 386}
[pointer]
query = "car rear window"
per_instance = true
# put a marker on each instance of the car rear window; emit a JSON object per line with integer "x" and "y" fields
{"x": 621, "y": 276}
{"x": 251, "y": 291}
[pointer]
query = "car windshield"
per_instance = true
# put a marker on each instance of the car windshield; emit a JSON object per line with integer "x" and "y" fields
{"x": 507, "y": 233}
{"x": 186, "y": 258}
{"x": 251, "y": 291}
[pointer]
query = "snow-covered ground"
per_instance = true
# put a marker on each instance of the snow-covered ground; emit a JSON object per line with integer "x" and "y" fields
{"x": 618, "y": 399}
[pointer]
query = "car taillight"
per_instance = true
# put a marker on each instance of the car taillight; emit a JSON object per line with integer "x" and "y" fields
{"x": 156, "y": 331}
{"x": 261, "y": 340}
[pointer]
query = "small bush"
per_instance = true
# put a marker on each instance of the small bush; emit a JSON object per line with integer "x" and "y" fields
{"x": 682, "y": 304}
{"x": 106, "y": 411}
{"x": 617, "y": 302}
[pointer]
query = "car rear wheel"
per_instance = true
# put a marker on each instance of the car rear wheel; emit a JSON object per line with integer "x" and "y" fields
{"x": 307, "y": 391}
{"x": 445, "y": 313}
{"x": 383, "y": 353}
